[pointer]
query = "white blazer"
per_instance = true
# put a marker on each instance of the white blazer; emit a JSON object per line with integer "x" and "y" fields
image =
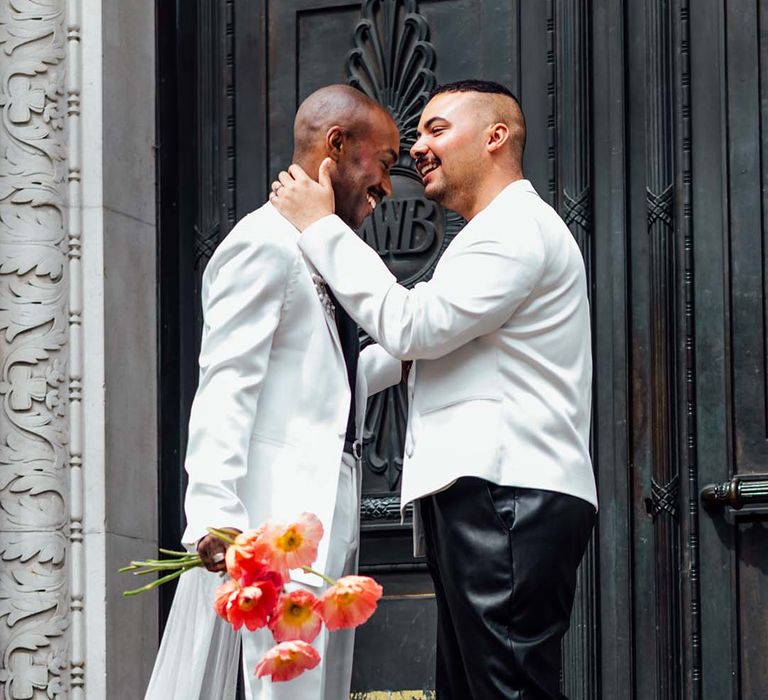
{"x": 268, "y": 421}
{"x": 502, "y": 383}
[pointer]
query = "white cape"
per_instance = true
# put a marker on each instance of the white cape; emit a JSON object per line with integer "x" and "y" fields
{"x": 200, "y": 653}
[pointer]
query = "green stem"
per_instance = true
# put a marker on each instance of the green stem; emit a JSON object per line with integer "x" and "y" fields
{"x": 310, "y": 570}
{"x": 167, "y": 566}
{"x": 174, "y": 553}
{"x": 223, "y": 535}
{"x": 158, "y": 582}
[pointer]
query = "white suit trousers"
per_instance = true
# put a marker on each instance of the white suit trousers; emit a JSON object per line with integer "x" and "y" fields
{"x": 330, "y": 680}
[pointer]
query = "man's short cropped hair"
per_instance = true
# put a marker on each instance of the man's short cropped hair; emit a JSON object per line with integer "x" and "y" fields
{"x": 492, "y": 88}
{"x": 475, "y": 86}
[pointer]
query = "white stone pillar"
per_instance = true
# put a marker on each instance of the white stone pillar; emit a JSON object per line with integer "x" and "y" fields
{"x": 37, "y": 257}
{"x": 78, "y": 385}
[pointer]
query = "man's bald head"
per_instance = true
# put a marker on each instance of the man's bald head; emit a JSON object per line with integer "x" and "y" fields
{"x": 493, "y": 103}
{"x": 335, "y": 105}
{"x": 360, "y": 138}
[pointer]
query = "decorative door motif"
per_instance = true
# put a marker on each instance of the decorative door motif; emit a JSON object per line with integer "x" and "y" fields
{"x": 393, "y": 63}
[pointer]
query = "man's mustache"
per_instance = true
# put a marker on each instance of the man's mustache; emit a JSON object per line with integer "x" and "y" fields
{"x": 423, "y": 162}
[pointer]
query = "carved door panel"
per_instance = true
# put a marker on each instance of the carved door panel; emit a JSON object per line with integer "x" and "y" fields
{"x": 732, "y": 347}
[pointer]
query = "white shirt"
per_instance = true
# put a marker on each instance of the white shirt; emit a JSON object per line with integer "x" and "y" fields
{"x": 502, "y": 384}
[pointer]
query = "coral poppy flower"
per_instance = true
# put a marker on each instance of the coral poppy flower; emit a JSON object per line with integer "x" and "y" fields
{"x": 292, "y": 546}
{"x": 222, "y": 595}
{"x": 350, "y": 602}
{"x": 246, "y": 554}
{"x": 296, "y": 617}
{"x": 251, "y": 604}
{"x": 287, "y": 660}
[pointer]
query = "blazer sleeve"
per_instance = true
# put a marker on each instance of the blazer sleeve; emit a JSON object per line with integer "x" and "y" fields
{"x": 472, "y": 292}
{"x": 380, "y": 369}
{"x": 244, "y": 292}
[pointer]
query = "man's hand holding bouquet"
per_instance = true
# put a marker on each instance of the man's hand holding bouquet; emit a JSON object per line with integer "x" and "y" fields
{"x": 258, "y": 565}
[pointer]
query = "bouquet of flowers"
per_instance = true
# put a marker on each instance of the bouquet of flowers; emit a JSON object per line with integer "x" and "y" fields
{"x": 254, "y": 595}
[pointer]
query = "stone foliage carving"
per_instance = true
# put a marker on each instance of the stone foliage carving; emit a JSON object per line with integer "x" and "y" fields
{"x": 33, "y": 341}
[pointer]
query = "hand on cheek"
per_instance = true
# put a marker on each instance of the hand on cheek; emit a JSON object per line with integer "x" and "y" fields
{"x": 300, "y": 199}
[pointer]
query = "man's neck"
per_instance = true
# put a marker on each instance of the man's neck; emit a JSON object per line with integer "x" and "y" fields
{"x": 309, "y": 163}
{"x": 488, "y": 190}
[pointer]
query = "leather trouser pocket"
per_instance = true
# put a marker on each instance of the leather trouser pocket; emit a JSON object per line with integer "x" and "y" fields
{"x": 503, "y": 501}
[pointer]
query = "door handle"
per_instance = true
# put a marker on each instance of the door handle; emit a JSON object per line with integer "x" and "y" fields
{"x": 737, "y": 492}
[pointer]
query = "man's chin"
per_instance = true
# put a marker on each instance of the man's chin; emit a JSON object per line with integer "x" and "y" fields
{"x": 435, "y": 193}
{"x": 358, "y": 219}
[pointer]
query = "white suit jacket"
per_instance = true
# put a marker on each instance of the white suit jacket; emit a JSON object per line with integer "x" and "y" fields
{"x": 501, "y": 386}
{"x": 268, "y": 421}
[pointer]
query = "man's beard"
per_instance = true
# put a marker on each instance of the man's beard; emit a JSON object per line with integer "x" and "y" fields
{"x": 345, "y": 192}
{"x": 350, "y": 216}
{"x": 440, "y": 193}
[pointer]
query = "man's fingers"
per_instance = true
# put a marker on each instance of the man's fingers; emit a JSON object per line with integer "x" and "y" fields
{"x": 297, "y": 172}
{"x": 285, "y": 178}
{"x": 324, "y": 174}
{"x": 212, "y": 552}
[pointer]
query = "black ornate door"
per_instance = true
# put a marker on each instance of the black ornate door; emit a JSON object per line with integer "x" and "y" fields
{"x": 646, "y": 131}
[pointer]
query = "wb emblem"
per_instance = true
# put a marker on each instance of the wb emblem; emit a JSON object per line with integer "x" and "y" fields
{"x": 407, "y": 230}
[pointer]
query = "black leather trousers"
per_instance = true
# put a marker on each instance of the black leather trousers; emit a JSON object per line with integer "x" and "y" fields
{"x": 503, "y": 560}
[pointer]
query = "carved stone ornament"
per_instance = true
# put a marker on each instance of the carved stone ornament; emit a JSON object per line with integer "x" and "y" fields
{"x": 392, "y": 62}
{"x": 34, "y": 333}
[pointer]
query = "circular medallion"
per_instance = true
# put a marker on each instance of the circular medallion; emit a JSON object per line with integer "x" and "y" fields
{"x": 407, "y": 230}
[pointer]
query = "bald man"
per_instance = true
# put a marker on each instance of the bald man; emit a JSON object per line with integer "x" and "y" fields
{"x": 497, "y": 447}
{"x": 277, "y": 419}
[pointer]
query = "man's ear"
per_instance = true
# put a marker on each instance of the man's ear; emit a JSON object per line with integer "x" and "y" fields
{"x": 334, "y": 142}
{"x": 498, "y": 136}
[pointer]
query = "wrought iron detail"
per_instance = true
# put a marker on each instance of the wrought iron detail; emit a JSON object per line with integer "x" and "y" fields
{"x": 205, "y": 244}
{"x": 577, "y": 209}
{"x": 664, "y": 498}
{"x": 380, "y": 508}
{"x": 660, "y": 207}
{"x": 393, "y": 61}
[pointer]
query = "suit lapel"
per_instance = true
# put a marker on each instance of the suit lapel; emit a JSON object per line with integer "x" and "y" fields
{"x": 325, "y": 302}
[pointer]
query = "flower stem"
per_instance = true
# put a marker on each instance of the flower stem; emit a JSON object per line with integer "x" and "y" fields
{"x": 158, "y": 582}
{"x": 310, "y": 570}
{"x": 224, "y": 535}
{"x": 175, "y": 553}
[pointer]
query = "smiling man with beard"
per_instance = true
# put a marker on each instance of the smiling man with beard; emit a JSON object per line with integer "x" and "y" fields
{"x": 497, "y": 446}
{"x": 277, "y": 419}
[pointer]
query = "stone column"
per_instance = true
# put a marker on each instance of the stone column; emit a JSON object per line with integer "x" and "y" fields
{"x": 39, "y": 383}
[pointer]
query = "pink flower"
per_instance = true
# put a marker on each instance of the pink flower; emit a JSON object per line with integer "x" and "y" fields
{"x": 246, "y": 554}
{"x": 292, "y": 546}
{"x": 296, "y": 617}
{"x": 350, "y": 602}
{"x": 222, "y": 595}
{"x": 287, "y": 660}
{"x": 249, "y": 603}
